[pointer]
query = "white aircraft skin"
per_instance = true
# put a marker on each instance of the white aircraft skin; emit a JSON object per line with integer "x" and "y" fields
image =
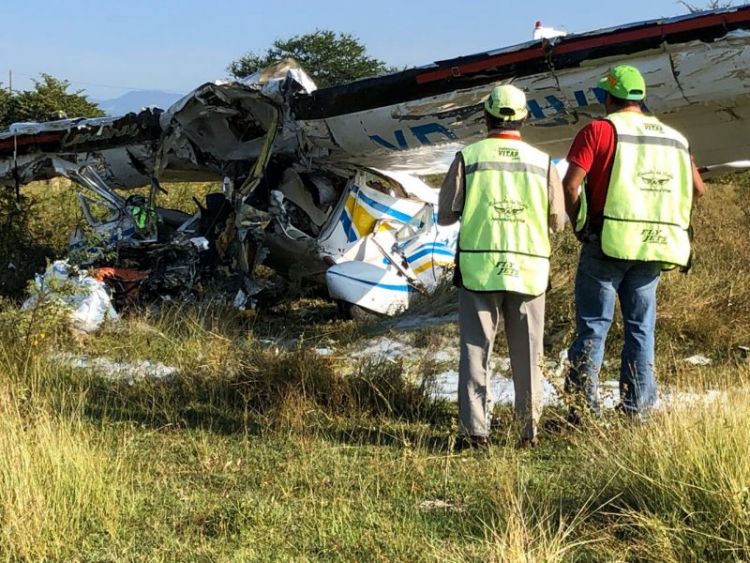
{"x": 371, "y": 243}
{"x": 700, "y": 88}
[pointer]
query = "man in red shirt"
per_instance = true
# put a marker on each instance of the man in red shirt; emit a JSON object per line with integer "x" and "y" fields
{"x": 604, "y": 276}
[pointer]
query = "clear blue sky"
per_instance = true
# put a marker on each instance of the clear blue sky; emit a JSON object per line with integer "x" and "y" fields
{"x": 110, "y": 46}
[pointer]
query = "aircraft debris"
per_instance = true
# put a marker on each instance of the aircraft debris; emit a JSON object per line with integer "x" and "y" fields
{"x": 311, "y": 176}
{"x": 699, "y": 360}
{"x": 542, "y": 32}
{"x": 85, "y": 297}
{"x": 146, "y": 253}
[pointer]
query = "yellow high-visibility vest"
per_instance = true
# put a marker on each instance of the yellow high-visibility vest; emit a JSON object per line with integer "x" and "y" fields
{"x": 650, "y": 196}
{"x": 503, "y": 240}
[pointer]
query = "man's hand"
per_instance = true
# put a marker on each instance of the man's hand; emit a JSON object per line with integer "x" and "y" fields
{"x": 699, "y": 188}
{"x": 571, "y": 187}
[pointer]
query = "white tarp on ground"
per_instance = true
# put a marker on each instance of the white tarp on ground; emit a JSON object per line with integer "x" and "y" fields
{"x": 85, "y": 297}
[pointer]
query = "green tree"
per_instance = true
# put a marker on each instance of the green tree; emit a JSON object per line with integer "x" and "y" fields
{"x": 5, "y": 106}
{"x": 49, "y": 100}
{"x": 329, "y": 58}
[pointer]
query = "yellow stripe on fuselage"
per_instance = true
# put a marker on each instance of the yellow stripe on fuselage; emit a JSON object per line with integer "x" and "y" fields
{"x": 430, "y": 263}
{"x": 362, "y": 221}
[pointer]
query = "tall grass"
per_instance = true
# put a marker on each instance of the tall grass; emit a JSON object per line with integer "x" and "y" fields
{"x": 679, "y": 488}
{"x": 264, "y": 452}
{"x": 60, "y": 487}
{"x": 279, "y": 454}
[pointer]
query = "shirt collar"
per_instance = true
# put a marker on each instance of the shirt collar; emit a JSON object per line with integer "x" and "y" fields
{"x": 506, "y": 134}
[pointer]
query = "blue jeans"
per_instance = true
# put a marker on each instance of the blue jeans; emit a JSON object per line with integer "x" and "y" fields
{"x": 598, "y": 282}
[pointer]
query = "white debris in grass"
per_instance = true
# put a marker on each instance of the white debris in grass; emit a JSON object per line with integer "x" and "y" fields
{"x": 699, "y": 360}
{"x": 444, "y": 356}
{"x": 393, "y": 349}
{"x": 446, "y": 383}
{"x": 557, "y": 368}
{"x": 609, "y": 393}
{"x": 503, "y": 393}
{"x": 417, "y": 322}
{"x": 387, "y": 348}
{"x": 84, "y": 297}
{"x": 440, "y": 504}
{"x": 128, "y": 372}
{"x": 446, "y": 387}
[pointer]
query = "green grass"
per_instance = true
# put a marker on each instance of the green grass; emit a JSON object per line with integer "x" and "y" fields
{"x": 256, "y": 453}
{"x": 270, "y": 452}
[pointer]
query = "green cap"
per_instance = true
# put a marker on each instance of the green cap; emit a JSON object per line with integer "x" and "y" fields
{"x": 507, "y": 102}
{"x": 624, "y": 82}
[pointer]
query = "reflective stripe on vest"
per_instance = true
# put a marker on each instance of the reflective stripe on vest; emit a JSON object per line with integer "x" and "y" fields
{"x": 504, "y": 238}
{"x": 649, "y": 199}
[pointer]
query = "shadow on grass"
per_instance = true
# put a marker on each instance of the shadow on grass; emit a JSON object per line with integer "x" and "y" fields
{"x": 437, "y": 438}
{"x": 297, "y": 391}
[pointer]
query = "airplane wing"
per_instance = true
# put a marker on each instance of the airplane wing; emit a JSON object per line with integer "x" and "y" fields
{"x": 415, "y": 120}
{"x": 695, "y": 68}
{"x": 121, "y": 149}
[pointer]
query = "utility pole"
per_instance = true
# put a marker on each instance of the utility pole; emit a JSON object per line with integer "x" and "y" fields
{"x": 10, "y": 81}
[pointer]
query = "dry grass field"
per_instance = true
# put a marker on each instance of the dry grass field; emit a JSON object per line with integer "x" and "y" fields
{"x": 263, "y": 449}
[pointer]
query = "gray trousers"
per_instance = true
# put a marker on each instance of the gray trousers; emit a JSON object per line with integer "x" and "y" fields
{"x": 478, "y": 319}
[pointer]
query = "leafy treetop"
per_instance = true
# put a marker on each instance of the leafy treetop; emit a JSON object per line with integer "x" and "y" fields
{"x": 329, "y": 58}
{"x": 49, "y": 100}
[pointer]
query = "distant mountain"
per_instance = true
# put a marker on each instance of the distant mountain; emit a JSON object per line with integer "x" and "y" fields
{"x": 136, "y": 100}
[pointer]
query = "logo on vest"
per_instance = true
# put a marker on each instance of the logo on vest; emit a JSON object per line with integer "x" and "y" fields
{"x": 654, "y": 127}
{"x": 509, "y": 210}
{"x": 507, "y": 269}
{"x": 511, "y": 154}
{"x": 655, "y": 181}
{"x": 653, "y": 236}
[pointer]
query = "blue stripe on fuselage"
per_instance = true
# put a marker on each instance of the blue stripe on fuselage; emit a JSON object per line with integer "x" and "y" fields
{"x": 391, "y": 287}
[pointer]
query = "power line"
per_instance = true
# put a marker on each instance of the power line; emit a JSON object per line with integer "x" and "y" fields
{"x": 112, "y": 86}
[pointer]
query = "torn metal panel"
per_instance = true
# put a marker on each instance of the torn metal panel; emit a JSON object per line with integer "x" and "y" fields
{"x": 282, "y": 80}
{"x": 293, "y": 188}
{"x": 714, "y": 73}
{"x": 219, "y": 128}
{"x": 121, "y": 149}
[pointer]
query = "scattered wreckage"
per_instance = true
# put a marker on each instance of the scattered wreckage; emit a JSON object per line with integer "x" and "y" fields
{"x": 315, "y": 182}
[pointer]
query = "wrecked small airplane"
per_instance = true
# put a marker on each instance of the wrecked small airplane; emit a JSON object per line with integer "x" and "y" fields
{"x": 318, "y": 183}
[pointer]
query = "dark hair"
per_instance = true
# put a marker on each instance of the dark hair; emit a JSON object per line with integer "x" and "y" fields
{"x": 495, "y": 123}
{"x": 619, "y": 103}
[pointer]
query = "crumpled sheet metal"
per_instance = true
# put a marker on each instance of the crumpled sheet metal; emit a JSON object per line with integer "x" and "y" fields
{"x": 120, "y": 149}
{"x": 219, "y": 128}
